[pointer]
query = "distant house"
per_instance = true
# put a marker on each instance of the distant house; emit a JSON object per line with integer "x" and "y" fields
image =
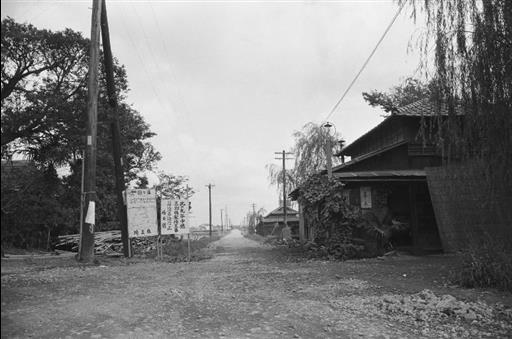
{"x": 273, "y": 222}
{"x": 386, "y": 173}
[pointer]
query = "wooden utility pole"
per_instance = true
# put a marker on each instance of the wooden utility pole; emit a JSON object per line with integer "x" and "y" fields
{"x": 210, "y": 205}
{"x": 253, "y": 214}
{"x": 221, "y": 222}
{"x": 86, "y": 253}
{"x": 114, "y": 126}
{"x": 328, "y": 150}
{"x": 284, "y": 158}
{"x": 226, "y": 217}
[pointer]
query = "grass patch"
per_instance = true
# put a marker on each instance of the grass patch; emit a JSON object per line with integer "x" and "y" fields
{"x": 486, "y": 262}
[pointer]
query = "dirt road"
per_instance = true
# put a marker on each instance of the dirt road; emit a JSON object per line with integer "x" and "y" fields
{"x": 247, "y": 290}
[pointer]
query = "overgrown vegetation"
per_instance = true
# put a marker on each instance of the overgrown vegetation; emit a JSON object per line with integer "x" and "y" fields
{"x": 32, "y": 214}
{"x": 486, "y": 261}
{"x": 341, "y": 229}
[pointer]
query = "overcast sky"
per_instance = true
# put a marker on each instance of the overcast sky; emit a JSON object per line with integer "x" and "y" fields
{"x": 224, "y": 84}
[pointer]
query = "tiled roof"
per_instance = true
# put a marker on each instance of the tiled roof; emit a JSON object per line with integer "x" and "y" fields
{"x": 381, "y": 175}
{"x": 280, "y": 211}
{"x": 424, "y": 107}
{"x": 420, "y": 108}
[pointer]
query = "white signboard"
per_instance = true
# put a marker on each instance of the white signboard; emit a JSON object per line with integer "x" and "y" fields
{"x": 174, "y": 216}
{"x": 366, "y": 197}
{"x": 141, "y": 208}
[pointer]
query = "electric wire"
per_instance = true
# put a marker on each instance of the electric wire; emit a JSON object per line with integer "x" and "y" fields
{"x": 149, "y": 49}
{"x": 168, "y": 59}
{"x": 333, "y": 110}
{"x": 142, "y": 63}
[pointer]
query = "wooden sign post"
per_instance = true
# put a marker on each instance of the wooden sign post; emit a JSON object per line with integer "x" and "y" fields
{"x": 174, "y": 218}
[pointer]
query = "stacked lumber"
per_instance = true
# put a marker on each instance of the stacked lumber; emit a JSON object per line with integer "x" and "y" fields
{"x": 105, "y": 243}
{"x": 109, "y": 242}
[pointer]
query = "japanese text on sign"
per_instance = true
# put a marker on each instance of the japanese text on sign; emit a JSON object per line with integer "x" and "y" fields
{"x": 174, "y": 216}
{"x": 366, "y": 197}
{"x": 141, "y": 208}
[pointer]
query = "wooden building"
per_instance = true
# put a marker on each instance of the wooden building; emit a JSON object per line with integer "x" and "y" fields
{"x": 385, "y": 175}
{"x": 273, "y": 222}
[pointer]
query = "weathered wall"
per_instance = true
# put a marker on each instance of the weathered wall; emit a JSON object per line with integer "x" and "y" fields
{"x": 465, "y": 208}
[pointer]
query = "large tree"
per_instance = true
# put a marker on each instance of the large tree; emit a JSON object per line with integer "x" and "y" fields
{"x": 470, "y": 43}
{"x": 43, "y": 88}
{"x": 310, "y": 151}
{"x": 44, "y": 100}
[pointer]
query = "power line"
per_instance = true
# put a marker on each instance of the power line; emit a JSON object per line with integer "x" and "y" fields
{"x": 150, "y": 50}
{"x": 169, "y": 63}
{"x": 366, "y": 62}
{"x": 142, "y": 63}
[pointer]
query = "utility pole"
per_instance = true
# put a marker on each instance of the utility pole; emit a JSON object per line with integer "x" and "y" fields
{"x": 328, "y": 150}
{"x": 253, "y": 215}
{"x": 221, "y": 222}
{"x": 114, "y": 126}
{"x": 210, "y": 205}
{"x": 86, "y": 252}
{"x": 284, "y": 158}
{"x": 226, "y": 217}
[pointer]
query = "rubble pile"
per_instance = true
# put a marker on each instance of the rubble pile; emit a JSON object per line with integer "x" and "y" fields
{"x": 426, "y": 306}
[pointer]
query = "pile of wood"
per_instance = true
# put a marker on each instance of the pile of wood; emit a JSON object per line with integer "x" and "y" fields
{"x": 105, "y": 243}
{"x": 109, "y": 243}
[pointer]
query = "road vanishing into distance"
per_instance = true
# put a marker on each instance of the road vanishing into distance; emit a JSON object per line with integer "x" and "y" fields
{"x": 246, "y": 290}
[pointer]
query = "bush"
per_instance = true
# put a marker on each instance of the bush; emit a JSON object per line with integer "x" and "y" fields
{"x": 486, "y": 262}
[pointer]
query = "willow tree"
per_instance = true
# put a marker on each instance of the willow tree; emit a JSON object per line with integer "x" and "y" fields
{"x": 470, "y": 44}
{"x": 310, "y": 155}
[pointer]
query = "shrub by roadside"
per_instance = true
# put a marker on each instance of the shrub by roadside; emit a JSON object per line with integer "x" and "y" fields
{"x": 486, "y": 262}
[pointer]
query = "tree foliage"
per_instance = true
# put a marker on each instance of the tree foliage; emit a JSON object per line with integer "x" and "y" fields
{"x": 31, "y": 205}
{"x": 255, "y": 217}
{"x": 411, "y": 90}
{"x": 44, "y": 101}
{"x": 172, "y": 186}
{"x": 472, "y": 45}
{"x": 310, "y": 151}
{"x": 43, "y": 88}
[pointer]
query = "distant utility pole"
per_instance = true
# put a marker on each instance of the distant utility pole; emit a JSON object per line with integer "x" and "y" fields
{"x": 114, "y": 126}
{"x": 226, "y": 217}
{"x": 284, "y": 158}
{"x": 254, "y": 214}
{"x": 86, "y": 248}
{"x": 210, "y": 205}
{"x": 221, "y": 222}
